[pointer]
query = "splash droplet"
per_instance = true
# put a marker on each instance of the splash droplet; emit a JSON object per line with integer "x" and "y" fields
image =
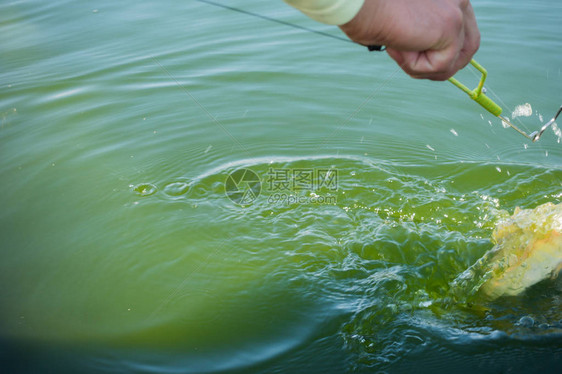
{"x": 526, "y": 321}
{"x": 523, "y": 110}
{"x": 145, "y": 189}
{"x": 176, "y": 189}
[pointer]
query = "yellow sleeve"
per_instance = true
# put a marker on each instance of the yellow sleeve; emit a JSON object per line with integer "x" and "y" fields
{"x": 332, "y": 12}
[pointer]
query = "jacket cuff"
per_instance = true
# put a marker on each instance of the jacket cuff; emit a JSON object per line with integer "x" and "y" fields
{"x": 332, "y": 12}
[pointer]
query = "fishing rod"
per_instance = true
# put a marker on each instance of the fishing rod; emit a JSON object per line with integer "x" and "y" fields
{"x": 478, "y": 94}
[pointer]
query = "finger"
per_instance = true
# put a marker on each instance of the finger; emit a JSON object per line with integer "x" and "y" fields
{"x": 435, "y": 64}
{"x": 405, "y": 59}
{"x": 418, "y": 65}
{"x": 443, "y": 62}
{"x": 396, "y": 55}
{"x": 471, "y": 39}
{"x": 472, "y": 33}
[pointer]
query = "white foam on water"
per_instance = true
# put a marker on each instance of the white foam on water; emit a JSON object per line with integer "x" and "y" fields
{"x": 557, "y": 132}
{"x": 523, "y": 110}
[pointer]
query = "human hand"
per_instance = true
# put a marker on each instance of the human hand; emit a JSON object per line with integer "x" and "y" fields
{"x": 429, "y": 39}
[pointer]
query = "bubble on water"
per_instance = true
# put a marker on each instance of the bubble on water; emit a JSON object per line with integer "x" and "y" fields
{"x": 526, "y": 321}
{"x": 557, "y": 132}
{"x": 523, "y": 110}
{"x": 176, "y": 188}
{"x": 145, "y": 189}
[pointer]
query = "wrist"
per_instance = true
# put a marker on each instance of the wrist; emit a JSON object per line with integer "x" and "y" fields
{"x": 367, "y": 27}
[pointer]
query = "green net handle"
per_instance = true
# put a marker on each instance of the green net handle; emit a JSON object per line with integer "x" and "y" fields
{"x": 477, "y": 94}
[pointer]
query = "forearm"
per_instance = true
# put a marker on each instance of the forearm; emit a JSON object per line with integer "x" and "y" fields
{"x": 414, "y": 25}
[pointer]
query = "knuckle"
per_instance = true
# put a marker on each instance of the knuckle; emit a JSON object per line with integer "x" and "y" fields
{"x": 472, "y": 45}
{"x": 456, "y": 18}
{"x": 453, "y": 19}
{"x": 476, "y": 41}
{"x": 464, "y": 3}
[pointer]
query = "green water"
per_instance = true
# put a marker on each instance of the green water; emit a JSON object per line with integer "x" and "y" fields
{"x": 121, "y": 252}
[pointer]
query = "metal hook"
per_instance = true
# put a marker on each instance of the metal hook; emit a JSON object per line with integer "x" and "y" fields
{"x": 536, "y": 135}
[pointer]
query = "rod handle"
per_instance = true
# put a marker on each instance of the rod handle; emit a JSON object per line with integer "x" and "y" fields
{"x": 477, "y": 94}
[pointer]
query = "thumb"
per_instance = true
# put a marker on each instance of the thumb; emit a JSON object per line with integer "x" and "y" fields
{"x": 396, "y": 56}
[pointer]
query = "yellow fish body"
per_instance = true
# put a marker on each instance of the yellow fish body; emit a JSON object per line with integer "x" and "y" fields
{"x": 528, "y": 249}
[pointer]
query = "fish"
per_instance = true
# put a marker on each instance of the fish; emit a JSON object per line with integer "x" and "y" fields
{"x": 527, "y": 249}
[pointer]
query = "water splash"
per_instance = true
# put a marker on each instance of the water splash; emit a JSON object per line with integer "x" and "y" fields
{"x": 144, "y": 189}
{"x": 524, "y": 110}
